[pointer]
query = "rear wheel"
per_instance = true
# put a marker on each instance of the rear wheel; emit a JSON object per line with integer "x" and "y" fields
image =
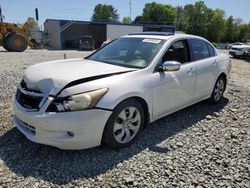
{"x": 219, "y": 89}
{"x": 17, "y": 42}
{"x": 124, "y": 124}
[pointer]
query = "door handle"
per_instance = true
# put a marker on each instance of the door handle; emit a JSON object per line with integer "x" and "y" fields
{"x": 214, "y": 62}
{"x": 190, "y": 70}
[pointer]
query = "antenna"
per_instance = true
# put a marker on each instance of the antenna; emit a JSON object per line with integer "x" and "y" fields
{"x": 130, "y": 10}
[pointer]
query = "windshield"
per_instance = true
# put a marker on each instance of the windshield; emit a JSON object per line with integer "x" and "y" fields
{"x": 129, "y": 52}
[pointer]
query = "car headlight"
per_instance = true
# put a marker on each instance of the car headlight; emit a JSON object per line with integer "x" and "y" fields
{"x": 79, "y": 101}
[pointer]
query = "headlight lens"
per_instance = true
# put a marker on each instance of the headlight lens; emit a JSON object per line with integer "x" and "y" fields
{"x": 79, "y": 101}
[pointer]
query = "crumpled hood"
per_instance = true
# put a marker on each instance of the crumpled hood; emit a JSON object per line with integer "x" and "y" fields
{"x": 51, "y": 77}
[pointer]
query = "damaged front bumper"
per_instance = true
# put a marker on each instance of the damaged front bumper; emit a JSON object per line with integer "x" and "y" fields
{"x": 65, "y": 130}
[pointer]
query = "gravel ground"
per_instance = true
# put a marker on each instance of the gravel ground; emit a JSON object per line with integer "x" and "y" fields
{"x": 201, "y": 146}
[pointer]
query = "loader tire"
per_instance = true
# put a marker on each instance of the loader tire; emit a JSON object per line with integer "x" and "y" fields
{"x": 5, "y": 45}
{"x": 17, "y": 42}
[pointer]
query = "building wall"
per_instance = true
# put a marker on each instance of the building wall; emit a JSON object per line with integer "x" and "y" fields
{"x": 98, "y": 32}
{"x": 115, "y": 31}
{"x": 71, "y": 35}
{"x": 52, "y": 34}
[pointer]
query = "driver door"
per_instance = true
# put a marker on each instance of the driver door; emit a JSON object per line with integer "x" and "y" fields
{"x": 174, "y": 89}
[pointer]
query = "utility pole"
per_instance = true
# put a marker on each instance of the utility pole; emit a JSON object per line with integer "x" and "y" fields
{"x": 130, "y": 10}
{"x": 1, "y": 15}
{"x": 177, "y": 17}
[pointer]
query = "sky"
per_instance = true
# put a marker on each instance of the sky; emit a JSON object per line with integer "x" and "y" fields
{"x": 17, "y": 11}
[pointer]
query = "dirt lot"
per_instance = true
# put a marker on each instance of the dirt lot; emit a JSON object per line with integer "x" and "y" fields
{"x": 240, "y": 71}
{"x": 200, "y": 146}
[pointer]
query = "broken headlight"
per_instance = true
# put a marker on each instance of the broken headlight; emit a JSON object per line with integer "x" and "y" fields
{"x": 78, "y": 102}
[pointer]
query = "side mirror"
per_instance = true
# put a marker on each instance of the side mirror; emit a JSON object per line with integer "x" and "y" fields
{"x": 170, "y": 66}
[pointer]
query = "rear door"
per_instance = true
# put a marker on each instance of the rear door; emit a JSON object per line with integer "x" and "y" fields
{"x": 203, "y": 55}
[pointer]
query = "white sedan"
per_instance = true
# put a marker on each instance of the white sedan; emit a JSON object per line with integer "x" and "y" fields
{"x": 111, "y": 95}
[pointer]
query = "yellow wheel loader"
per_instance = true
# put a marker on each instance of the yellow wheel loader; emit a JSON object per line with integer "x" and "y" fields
{"x": 14, "y": 38}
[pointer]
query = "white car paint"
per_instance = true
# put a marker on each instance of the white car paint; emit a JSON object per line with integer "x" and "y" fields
{"x": 44, "y": 78}
{"x": 164, "y": 93}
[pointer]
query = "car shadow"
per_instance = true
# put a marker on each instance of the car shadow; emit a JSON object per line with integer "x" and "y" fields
{"x": 61, "y": 167}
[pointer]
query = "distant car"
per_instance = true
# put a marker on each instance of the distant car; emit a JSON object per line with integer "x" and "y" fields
{"x": 86, "y": 43}
{"x": 111, "y": 95}
{"x": 247, "y": 54}
{"x": 238, "y": 51}
{"x": 232, "y": 44}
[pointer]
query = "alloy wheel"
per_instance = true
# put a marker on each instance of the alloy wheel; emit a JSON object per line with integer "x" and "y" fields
{"x": 219, "y": 89}
{"x": 127, "y": 125}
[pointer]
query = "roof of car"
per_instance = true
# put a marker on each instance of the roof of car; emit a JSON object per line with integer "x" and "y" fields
{"x": 153, "y": 33}
{"x": 160, "y": 35}
{"x": 241, "y": 46}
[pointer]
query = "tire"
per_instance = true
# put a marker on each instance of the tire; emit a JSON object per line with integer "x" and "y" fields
{"x": 5, "y": 45}
{"x": 124, "y": 125}
{"x": 17, "y": 42}
{"x": 218, "y": 90}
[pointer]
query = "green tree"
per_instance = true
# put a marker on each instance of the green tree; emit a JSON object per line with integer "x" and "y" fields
{"x": 105, "y": 13}
{"x": 229, "y": 36}
{"x": 138, "y": 20}
{"x": 216, "y": 25}
{"x": 156, "y": 13}
{"x": 196, "y": 18}
{"x": 243, "y": 32}
{"x": 32, "y": 23}
{"x": 126, "y": 20}
{"x": 200, "y": 20}
{"x": 179, "y": 22}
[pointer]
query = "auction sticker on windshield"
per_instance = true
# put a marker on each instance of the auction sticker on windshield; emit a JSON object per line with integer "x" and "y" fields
{"x": 155, "y": 41}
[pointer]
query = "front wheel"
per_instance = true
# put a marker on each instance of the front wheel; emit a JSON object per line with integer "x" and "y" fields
{"x": 124, "y": 124}
{"x": 5, "y": 44}
{"x": 219, "y": 89}
{"x": 17, "y": 42}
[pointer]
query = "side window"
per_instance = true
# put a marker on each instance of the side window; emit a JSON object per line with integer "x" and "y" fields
{"x": 178, "y": 51}
{"x": 199, "y": 49}
{"x": 211, "y": 50}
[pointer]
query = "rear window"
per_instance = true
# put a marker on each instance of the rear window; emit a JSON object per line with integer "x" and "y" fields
{"x": 200, "y": 49}
{"x": 211, "y": 50}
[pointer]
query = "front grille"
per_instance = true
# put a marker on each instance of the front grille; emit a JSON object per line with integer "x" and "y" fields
{"x": 28, "y": 101}
{"x": 237, "y": 49}
{"x": 28, "y": 98}
{"x": 26, "y": 126}
{"x": 25, "y": 87}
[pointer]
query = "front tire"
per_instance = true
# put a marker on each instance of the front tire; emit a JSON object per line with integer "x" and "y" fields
{"x": 218, "y": 90}
{"x": 124, "y": 125}
{"x": 17, "y": 42}
{"x": 5, "y": 43}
